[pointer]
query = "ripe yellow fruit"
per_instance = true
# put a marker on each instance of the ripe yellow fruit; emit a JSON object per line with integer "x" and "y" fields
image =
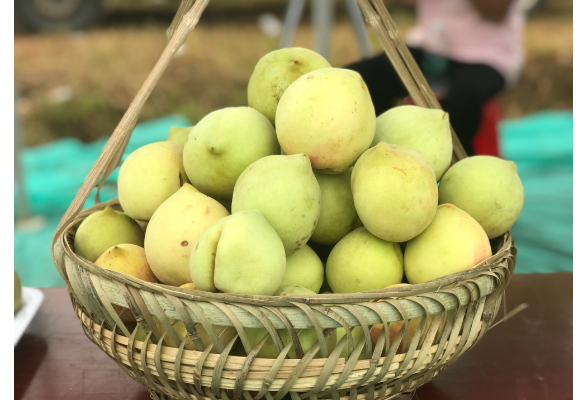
{"x": 174, "y": 228}
{"x": 127, "y": 259}
{"x": 453, "y": 242}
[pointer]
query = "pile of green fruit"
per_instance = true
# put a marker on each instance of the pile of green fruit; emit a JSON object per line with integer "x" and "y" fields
{"x": 230, "y": 204}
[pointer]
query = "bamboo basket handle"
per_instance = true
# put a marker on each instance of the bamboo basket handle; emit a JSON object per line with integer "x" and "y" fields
{"x": 186, "y": 19}
{"x": 409, "y": 72}
{"x": 184, "y": 22}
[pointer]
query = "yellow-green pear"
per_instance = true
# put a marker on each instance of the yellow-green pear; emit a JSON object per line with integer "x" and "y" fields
{"x": 356, "y": 335}
{"x": 127, "y": 259}
{"x": 425, "y": 130}
{"x": 286, "y": 192}
{"x": 173, "y": 230}
{"x": 305, "y": 269}
{"x": 17, "y": 292}
{"x": 307, "y": 339}
{"x": 241, "y": 254}
{"x": 293, "y": 291}
{"x": 453, "y": 242}
{"x": 104, "y": 229}
{"x": 274, "y": 72}
{"x": 178, "y": 135}
{"x": 148, "y": 177}
{"x": 328, "y": 115}
{"x": 362, "y": 262}
{"x": 338, "y": 216}
{"x": 394, "y": 191}
{"x": 487, "y": 188}
{"x": 223, "y": 144}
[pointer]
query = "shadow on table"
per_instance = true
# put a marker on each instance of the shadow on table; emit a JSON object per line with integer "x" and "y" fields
{"x": 28, "y": 357}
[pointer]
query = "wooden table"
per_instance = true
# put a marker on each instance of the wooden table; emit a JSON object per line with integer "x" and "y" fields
{"x": 527, "y": 357}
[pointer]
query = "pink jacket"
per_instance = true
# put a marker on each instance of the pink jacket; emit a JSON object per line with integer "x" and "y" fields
{"x": 455, "y": 29}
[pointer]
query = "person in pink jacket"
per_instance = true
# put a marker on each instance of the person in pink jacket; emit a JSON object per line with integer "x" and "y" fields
{"x": 468, "y": 50}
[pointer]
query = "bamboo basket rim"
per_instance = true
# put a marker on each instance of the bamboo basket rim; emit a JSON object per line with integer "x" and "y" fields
{"x": 402, "y": 291}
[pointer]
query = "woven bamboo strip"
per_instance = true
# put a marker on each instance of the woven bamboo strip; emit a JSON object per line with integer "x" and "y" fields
{"x": 259, "y": 368}
{"x": 255, "y": 381}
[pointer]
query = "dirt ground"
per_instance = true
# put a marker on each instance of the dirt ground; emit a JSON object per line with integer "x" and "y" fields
{"x": 80, "y": 84}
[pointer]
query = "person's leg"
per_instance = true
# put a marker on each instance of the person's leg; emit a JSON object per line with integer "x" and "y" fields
{"x": 382, "y": 79}
{"x": 470, "y": 86}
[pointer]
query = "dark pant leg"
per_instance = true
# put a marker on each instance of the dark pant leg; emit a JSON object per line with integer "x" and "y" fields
{"x": 469, "y": 87}
{"x": 382, "y": 79}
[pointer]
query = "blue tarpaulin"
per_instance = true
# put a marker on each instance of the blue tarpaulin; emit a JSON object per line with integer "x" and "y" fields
{"x": 540, "y": 144}
{"x": 53, "y": 173}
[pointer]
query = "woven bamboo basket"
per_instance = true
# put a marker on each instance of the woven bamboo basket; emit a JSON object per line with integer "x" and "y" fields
{"x": 455, "y": 311}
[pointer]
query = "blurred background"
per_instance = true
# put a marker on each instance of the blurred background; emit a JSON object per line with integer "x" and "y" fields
{"x": 78, "y": 64}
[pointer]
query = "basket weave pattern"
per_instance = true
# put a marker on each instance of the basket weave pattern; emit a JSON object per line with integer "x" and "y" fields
{"x": 455, "y": 310}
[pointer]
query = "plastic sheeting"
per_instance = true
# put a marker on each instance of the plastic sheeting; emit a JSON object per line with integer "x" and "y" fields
{"x": 53, "y": 173}
{"x": 542, "y": 147}
{"x": 540, "y": 144}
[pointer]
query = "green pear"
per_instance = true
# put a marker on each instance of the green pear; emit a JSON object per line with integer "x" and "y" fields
{"x": 425, "y": 130}
{"x": 274, "y": 72}
{"x": 307, "y": 338}
{"x": 293, "y": 291}
{"x": 127, "y": 259}
{"x": 394, "y": 191}
{"x": 362, "y": 262}
{"x": 104, "y": 229}
{"x": 148, "y": 177}
{"x": 173, "y": 230}
{"x": 286, "y": 192}
{"x": 305, "y": 269}
{"x": 223, "y": 144}
{"x": 453, "y": 242}
{"x": 356, "y": 335}
{"x": 328, "y": 115}
{"x": 241, "y": 254}
{"x": 17, "y": 292}
{"x": 338, "y": 216}
{"x": 487, "y": 188}
{"x": 178, "y": 135}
